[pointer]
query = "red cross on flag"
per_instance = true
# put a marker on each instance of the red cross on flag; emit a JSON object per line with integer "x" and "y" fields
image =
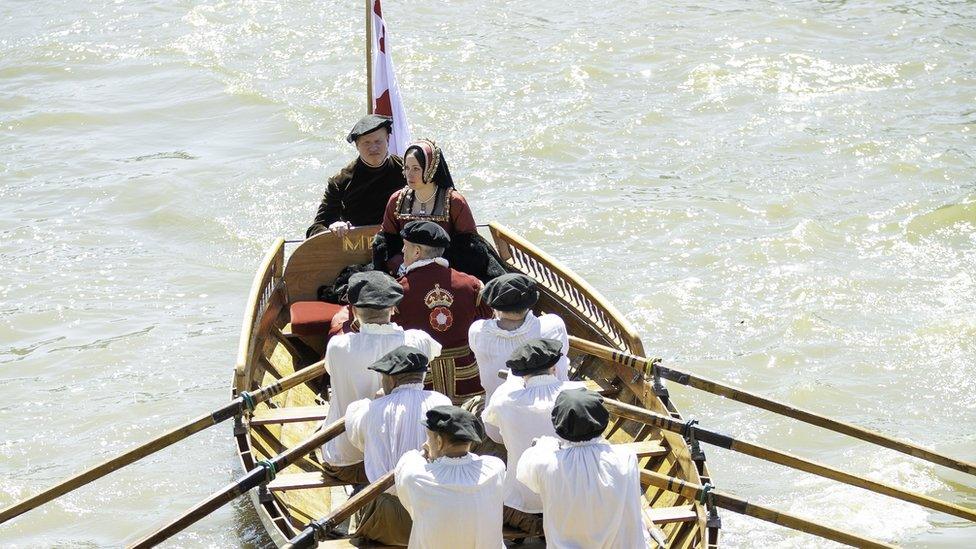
{"x": 386, "y": 93}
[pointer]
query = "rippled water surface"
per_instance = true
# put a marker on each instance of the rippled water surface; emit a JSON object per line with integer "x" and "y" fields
{"x": 778, "y": 195}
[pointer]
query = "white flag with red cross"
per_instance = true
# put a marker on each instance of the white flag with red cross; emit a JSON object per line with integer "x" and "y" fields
{"x": 386, "y": 93}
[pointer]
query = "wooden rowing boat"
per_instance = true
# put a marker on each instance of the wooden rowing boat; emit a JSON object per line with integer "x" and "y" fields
{"x": 268, "y": 351}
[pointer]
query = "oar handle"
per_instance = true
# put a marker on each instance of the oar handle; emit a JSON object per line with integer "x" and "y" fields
{"x": 253, "y": 478}
{"x": 726, "y": 501}
{"x": 306, "y": 538}
{"x": 739, "y": 395}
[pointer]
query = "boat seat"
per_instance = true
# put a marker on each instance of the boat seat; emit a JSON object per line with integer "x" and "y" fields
{"x": 300, "y": 481}
{"x": 292, "y": 414}
{"x": 645, "y": 448}
{"x": 312, "y": 318}
{"x": 666, "y": 515}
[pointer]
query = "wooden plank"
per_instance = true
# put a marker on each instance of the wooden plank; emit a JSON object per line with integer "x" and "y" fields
{"x": 666, "y": 515}
{"x": 294, "y": 414}
{"x": 300, "y": 481}
{"x": 645, "y": 448}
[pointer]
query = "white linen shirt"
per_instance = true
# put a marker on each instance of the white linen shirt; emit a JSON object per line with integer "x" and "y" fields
{"x": 590, "y": 493}
{"x": 347, "y": 359}
{"x": 454, "y": 502}
{"x": 493, "y": 346}
{"x": 388, "y": 427}
{"x": 521, "y": 415}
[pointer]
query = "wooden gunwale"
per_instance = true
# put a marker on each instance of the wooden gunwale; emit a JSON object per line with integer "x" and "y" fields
{"x": 262, "y": 357}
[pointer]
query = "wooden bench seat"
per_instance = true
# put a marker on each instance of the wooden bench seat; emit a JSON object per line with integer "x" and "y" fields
{"x": 300, "y": 481}
{"x": 665, "y": 515}
{"x": 645, "y": 448}
{"x": 292, "y": 414}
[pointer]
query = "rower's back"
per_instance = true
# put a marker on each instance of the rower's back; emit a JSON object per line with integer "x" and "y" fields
{"x": 590, "y": 490}
{"x": 590, "y": 493}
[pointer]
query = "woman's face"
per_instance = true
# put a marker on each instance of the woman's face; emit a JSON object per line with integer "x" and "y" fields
{"x": 412, "y": 172}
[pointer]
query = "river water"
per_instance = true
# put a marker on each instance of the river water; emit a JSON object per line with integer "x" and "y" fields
{"x": 779, "y": 195}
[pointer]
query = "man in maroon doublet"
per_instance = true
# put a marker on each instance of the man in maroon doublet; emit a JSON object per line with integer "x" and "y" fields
{"x": 442, "y": 302}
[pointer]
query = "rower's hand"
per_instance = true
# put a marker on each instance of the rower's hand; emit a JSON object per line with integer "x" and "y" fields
{"x": 340, "y": 228}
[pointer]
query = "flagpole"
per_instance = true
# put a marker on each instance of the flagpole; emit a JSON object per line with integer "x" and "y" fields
{"x": 369, "y": 56}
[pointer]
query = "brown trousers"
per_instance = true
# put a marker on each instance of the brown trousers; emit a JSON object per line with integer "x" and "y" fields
{"x": 345, "y": 474}
{"x": 530, "y": 523}
{"x": 384, "y": 520}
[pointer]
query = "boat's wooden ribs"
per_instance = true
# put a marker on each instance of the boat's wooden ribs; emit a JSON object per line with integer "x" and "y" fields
{"x": 556, "y": 279}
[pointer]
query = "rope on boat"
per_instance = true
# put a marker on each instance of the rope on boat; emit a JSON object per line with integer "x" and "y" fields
{"x": 248, "y": 400}
{"x": 269, "y": 469}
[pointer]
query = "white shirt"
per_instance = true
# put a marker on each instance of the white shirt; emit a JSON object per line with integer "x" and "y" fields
{"x": 521, "y": 415}
{"x": 455, "y": 503}
{"x": 347, "y": 359}
{"x": 388, "y": 427}
{"x": 590, "y": 492}
{"x": 404, "y": 269}
{"x": 493, "y": 346}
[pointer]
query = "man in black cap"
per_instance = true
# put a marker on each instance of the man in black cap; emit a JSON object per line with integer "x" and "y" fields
{"x": 372, "y": 297}
{"x": 512, "y": 296}
{"x": 455, "y": 497}
{"x": 521, "y": 413}
{"x": 385, "y": 429}
{"x": 358, "y": 194}
{"x": 443, "y": 302}
{"x": 582, "y": 509}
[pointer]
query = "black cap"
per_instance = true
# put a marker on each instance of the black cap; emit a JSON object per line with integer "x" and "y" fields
{"x": 579, "y": 415}
{"x": 510, "y": 292}
{"x": 455, "y": 422}
{"x": 373, "y": 290}
{"x": 369, "y": 124}
{"x": 426, "y": 233}
{"x": 402, "y": 360}
{"x": 535, "y": 355}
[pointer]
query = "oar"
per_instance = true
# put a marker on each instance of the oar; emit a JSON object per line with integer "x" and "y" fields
{"x": 714, "y": 387}
{"x": 306, "y": 538}
{"x": 727, "y": 501}
{"x": 636, "y": 413}
{"x": 265, "y": 471}
{"x": 763, "y": 452}
{"x": 225, "y": 412}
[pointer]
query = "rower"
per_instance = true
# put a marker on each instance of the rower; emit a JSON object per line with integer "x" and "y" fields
{"x": 511, "y": 297}
{"x": 387, "y": 428}
{"x": 581, "y": 508}
{"x": 443, "y": 302}
{"x": 357, "y": 195}
{"x": 455, "y": 497}
{"x": 521, "y": 413}
{"x": 372, "y": 296}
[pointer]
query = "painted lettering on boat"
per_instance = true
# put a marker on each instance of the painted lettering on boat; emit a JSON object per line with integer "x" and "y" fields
{"x": 350, "y": 245}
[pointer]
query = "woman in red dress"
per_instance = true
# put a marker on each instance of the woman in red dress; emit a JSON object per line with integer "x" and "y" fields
{"x": 430, "y": 196}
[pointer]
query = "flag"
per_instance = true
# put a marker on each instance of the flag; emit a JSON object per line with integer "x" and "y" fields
{"x": 386, "y": 93}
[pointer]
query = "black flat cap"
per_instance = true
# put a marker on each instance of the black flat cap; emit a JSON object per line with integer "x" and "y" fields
{"x": 373, "y": 290}
{"x": 510, "y": 292}
{"x": 535, "y": 355}
{"x": 369, "y": 124}
{"x": 456, "y": 422}
{"x": 402, "y": 360}
{"x": 426, "y": 233}
{"x": 579, "y": 415}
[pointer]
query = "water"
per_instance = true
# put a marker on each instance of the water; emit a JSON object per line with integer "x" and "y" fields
{"x": 778, "y": 195}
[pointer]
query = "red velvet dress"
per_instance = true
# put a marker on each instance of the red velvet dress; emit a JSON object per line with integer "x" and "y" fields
{"x": 444, "y": 303}
{"x": 450, "y": 211}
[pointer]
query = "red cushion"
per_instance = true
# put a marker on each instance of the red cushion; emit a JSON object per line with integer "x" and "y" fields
{"x": 312, "y": 318}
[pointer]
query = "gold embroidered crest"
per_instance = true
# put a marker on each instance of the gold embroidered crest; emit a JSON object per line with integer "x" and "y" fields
{"x": 438, "y": 297}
